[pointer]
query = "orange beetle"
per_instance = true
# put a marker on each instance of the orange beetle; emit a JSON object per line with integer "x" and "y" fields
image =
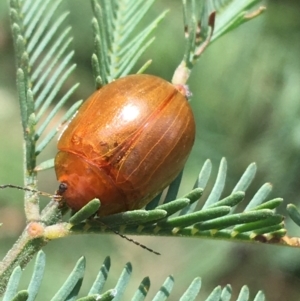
{"x": 126, "y": 143}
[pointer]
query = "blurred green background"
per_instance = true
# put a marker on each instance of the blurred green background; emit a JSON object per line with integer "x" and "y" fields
{"x": 246, "y": 99}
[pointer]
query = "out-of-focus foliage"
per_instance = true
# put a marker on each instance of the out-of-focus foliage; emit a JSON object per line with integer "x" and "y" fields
{"x": 246, "y": 100}
{"x": 71, "y": 287}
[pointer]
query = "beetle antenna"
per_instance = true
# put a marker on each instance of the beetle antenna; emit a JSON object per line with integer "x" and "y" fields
{"x": 136, "y": 242}
{"x": 27, "y": 189}
{"x": 130, "y": 239}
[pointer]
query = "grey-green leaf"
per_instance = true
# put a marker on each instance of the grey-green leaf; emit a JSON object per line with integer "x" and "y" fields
{"x": 85, "y": 212}
{"x": 165, "y": 290}
{"x": 72, "y": 281}
{"x": 219, "y": 185}
{"x": 142, "y": 291}
{"x": 259, "y": 296}
{"x": 123, "y": 282}
{"x": 215, "y": 294}
{"x": 37, "y": 276}
{"x": 13, "y": 284}
{"x": 101, "y": 278}
{"x": 260, "y": 196}
{"x": 193, "y": 290}
{"x": 294, "y": 213}
{"x": 244, "y": 294}
{"x": 21, "y": 296}
{"x": 226, "y": 293}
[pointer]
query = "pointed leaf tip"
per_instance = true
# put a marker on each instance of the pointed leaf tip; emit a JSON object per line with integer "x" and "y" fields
{"x": 193, "y": 290}
{"x": 123, "y": 281}
{"x": 87, "y": 211}
{"x": 174, "y": 206}
{"x": 21, "y": 296}
{"x": 101, "y": 278}
{"x": 260, "y": 296}
{"x": 73, "y": 281}
{"x": 294, "y": 213}
{"x": 165, "y": 289}
{"x": 232, "y": 200}
{"x": 215, "y": 294}
{"x": 244, "y": 293}
{"x": 142, "y": 290}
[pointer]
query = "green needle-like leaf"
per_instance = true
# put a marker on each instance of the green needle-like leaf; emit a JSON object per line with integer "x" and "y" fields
{"x": 204, "y": 175}
{"x": 91, "y": 298}
{"x": 226, "y": 293}
{"x": 276, "y": 230}
{"x": 174, "y": 206}
{"x": 54, "y": 111}
{"x": 101, "y": 278}
{"x": 133, "y": 217}
{"x": 173, "y": 189}
{"x": 154, "y": 216}
{"x": 107, "y": 296}
{"x": 22, "y": 91}
{"x": 196, "y": 217}
{"x": 37, "y": 276}
{"x": 165, "y": 290}
{"x": 63, "y": 120}
{"x": 272, "y": 204}
{"x": 259, "y": 296}
{"x": 40, "y": 74}
{"x": 35, "y": 25}
{"x": 262, "y": 224}
{"x": 70, "y": 289}
{"x": 123, "y": 282}
{"x": 234, "y": 219}
{"x": 47, "y": 36}
{"x": 294, "y": 213}
{"x": 13, "y": 284}
{"x": 193, "y": 290}
{"x": 194, "y": 195}
{"x": 54, "y": 85}
{"x": 260, "y": 196}
{"x": 142, "y": 291}
{"x": 45, "y": 165}
{"x": 219, "y": 185}
{"x": 233, "y": 13}
{"x": 246, "y": 179}
{"x": 85, "y": 212}
{"x": 200, "y": 184}
{"x": 231, "y": 200}
{"x": 21, "y": 296}
{"x": 244, "y": 294}
{"x": 116, "y": 50}
{"x": 34, "y": 14}
{"x": 71, "y": 283}
{"x": 215, "y": 294}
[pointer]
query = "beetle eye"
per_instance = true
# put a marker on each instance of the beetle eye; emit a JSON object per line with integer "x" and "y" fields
{"x": 62, "y": 188}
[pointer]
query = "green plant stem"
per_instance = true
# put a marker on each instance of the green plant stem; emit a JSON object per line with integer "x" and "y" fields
{"x": 32, "y": 210}
{"x": 226, "y": 234}
{"x": 29, "y": 243}
{"x": 21, "y": 252}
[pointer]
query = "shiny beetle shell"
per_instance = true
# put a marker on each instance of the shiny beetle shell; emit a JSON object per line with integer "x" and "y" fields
{"x": 128, "y": 141}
